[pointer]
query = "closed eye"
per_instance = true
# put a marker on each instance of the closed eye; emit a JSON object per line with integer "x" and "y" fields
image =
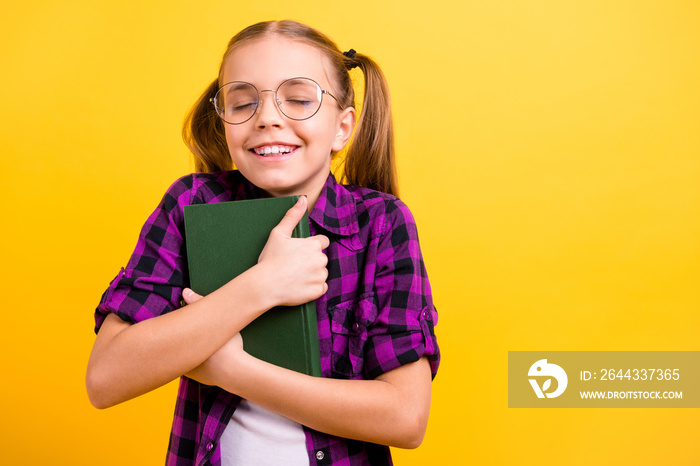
{"x": 244, "y": 107}
{"x": 302, "y": 102}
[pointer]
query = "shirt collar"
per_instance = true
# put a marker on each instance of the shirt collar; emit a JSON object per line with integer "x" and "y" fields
{"x": 335, "y": 209}
{"x": 245, "y": 189}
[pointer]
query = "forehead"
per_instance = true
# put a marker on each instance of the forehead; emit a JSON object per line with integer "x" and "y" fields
{"x": 268, "y": 61}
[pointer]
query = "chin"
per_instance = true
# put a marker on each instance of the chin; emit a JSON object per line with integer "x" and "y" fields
{"x": 276, "y": 187}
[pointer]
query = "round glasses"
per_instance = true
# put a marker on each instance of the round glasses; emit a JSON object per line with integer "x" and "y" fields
{"x": 296, "y": 98}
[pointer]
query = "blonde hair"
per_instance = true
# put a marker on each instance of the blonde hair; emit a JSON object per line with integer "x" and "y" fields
{"x": 370, "y": 156}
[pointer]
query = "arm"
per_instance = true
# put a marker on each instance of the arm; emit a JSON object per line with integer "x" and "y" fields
{"x": 129, "y": 360}
{"x": 390, "y": 410}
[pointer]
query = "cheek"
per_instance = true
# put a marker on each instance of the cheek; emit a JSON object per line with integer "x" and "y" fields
{"x": 234, "y": 142}
{"x": 321, "y": 132}
{"x": 230, "y": 135}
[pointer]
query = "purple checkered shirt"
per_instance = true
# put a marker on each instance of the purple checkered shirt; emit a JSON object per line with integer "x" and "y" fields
{"x": 377, "y": 315}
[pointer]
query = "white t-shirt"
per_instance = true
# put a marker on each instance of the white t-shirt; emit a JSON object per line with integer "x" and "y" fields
{"x": 256, "y": 435}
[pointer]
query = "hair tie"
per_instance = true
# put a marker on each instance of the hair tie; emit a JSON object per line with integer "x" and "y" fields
{"x": 350, "y": 55}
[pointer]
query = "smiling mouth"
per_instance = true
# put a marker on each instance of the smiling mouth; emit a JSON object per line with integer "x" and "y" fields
{"x": 267, "y": 151}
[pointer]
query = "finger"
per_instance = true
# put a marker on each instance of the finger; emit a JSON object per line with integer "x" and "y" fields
{"x": 323, "y": 240}
{"x": 190, "y": 296}
{"x": 292, "y": 217}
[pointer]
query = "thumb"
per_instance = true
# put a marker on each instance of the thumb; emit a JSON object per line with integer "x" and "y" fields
{"x": 190, "y": 296}
{"x": 292, "y": 217}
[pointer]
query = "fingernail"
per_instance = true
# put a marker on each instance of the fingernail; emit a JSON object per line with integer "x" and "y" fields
{"x": 187, "y": 293}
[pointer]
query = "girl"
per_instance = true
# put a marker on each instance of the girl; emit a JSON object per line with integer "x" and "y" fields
{"x": 281, "y": 107}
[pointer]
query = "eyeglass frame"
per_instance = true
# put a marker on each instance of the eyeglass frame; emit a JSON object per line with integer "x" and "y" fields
{"x": 277, "y": 101}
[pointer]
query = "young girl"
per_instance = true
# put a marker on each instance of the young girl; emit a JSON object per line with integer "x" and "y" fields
{"x": 280, "y": 109}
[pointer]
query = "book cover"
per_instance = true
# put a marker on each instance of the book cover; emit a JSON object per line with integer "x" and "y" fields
{"x": 224, "y": 240}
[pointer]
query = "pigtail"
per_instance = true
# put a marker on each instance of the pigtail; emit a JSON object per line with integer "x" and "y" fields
{"x": 203, "y": 133}
{"x": 370, "y": 158}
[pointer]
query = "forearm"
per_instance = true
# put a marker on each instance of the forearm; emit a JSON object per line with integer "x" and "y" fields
{"x": 390, "y": 410}
{"x": 129, "y": 360}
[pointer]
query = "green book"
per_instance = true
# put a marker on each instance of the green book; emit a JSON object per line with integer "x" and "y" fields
{"x": 224, "y": 240}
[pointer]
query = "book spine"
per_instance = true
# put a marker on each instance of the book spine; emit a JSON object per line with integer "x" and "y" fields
{"x": 308, "y": 312}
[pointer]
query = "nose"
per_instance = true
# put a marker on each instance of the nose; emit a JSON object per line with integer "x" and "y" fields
{"x": 268, "y": 113}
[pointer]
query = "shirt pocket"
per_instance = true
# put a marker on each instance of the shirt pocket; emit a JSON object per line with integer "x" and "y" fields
{"x": 350, "y": 321}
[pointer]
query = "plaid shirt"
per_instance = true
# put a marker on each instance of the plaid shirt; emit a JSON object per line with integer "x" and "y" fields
{"x": 376, "y": 316}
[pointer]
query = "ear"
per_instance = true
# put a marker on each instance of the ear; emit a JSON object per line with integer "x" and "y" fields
{"x": 346, "y": 124}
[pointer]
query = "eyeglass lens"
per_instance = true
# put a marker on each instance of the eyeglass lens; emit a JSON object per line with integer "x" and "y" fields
{"x": 297, "y": 99}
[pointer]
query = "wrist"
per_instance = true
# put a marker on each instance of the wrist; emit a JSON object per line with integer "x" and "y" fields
{"x": 248, "y": 294}
{"x": 263, "y": 290}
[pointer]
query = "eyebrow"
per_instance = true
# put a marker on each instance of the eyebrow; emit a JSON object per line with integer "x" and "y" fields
{"x": 237, "y": 86}
{"x": 296, "y": 80}
{"x": 242, "y": 84}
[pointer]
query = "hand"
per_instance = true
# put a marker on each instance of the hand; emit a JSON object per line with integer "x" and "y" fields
{"x": 211, "y": 370}
{"x": 189, "y": 296}
{"x": 296, "y": 266}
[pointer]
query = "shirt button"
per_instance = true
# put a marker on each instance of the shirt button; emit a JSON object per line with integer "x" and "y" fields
{"x": 320, "y": 455}
{"x": 355, "y": 327}
{"x": 210, "y": 446}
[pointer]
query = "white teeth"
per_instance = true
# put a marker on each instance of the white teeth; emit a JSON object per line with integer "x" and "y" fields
{"x": 267, "y": 150}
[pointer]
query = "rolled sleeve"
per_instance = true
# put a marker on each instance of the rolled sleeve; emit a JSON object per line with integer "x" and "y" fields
{"x": 151, "y": 284}
{"x": 404, "y": 330}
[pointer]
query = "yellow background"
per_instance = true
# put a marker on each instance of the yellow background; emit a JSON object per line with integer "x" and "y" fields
{"x": 550, "y": 151}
